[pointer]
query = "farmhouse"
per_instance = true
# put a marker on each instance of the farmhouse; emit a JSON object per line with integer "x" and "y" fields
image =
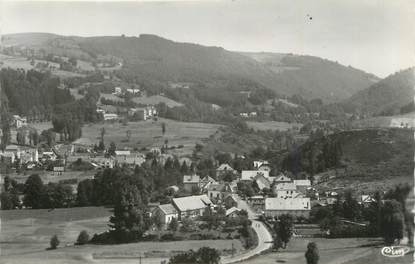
{"x": 103, "y": 162}
{"x": 191, "y": 206}
{"x": 223, "y": 169}
{"x": 19, "y": 121}
{"x": 191, "y": 182}
{"x": 275, "y": 207}
{"x": 108, "y": 117}
{"x": 262, "y": 165}
{"x": 206, "y": 182}
{"x": 285, "y": 190}
{"x": 262, "y": 182}
{"x": 58, "y": 170}
{"x": 165, "y": 213}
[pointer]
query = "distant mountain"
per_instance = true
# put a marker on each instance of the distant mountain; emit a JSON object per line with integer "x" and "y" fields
{"x": 314, "y": 77}
{"x": 153, "y": 57}
{"x": 387, "y": 96}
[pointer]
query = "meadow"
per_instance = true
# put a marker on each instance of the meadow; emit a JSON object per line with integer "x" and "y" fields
{"x": 149, "y": 133}
{"x": 272, "y": 125}
{"x": 26, "y": 233}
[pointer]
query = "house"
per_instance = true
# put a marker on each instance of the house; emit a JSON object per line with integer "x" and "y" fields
{"x": 282, "y": 178}
{"x": 133, "y": 159}
{"x": 249, "y": 175}
{"x": 133, "y": 90}
{"x": 191, "y": 182}
{"x": 19, "y": 121}
{"x": 366, "y": 200}
{"x": 49, "y": 155}
{"x": 262, "y": 182}
{"x": 82, "y": 145}
{"x": 122, "y": 153}
{"x": 285, "y": 190}
{"x": 230, "y": 201}
{"x": 262, "y": 165}
{"x": 232, "y": 212}
{"x": 218, "y": 191}
{"x": 223, "y": 169}
{"x": 108, "y": 117}
{"x": 103, "y": 162}
{"x": 165, "y": 213}
{"x": 58, "y": 170}
{"x": 191, "y": 206}
{"x": 302, "y": 185}
{"x": 117, "y": 91}
{"x": 274, "y": 207}
{"x": 206, "y": 182}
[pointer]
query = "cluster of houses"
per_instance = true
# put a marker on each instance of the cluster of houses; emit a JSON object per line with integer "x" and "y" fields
{"x": 287, "y": 196}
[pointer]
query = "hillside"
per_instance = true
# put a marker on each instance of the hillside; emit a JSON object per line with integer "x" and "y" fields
{"x": 150, "y": 57}
{"x": 387, "y": 96}
{"x": 314, "y": 77}
{"x": 366, "y": 156}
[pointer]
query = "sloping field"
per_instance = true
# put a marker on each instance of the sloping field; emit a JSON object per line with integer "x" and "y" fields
{"x": 156, "y": 99}
{"x": 272, "y": 125}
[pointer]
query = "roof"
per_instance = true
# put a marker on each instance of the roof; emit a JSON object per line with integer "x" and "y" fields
{"x": 282, "y": 178}
{"x": 216, "y": 187}
{"x": 302, "y": 182}
{"x": 167, "y": 209}
{"x": 208, "y": 179}
{"x": 12, "y": 147}
{"x": 248, "y": 175}
{"x": 285, "y": 186}
{"x": 83, "y": 142}
{"x": 232, "y": 210}
{"x": 122, "y": 152}
{"x": 191, "y": 178}
{"x": 191, "y": 202}
{"x": 225, "y": 166}
{"x": 262, "y": 182}
{"x": 287, "y": 204}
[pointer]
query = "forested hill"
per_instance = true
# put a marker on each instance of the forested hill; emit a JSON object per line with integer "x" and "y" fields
{"x": 314, "y": 77}
{"x": 368, "y": 154}
{"x": 155, "y": 58}
{"x": 388, "y": 96}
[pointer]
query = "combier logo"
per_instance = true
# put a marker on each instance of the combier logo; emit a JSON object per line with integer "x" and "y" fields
{"x": 394, "y": 251}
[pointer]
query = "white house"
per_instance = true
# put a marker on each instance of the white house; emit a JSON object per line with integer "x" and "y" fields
{"x": 166, "y": 213}
{"x": 110, "y": 117}
{"x": 191, "y": 182}
{"x": 275, "y": 207}
{"x": 192, "y": 206}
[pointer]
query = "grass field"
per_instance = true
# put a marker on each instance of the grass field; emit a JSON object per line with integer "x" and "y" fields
{"x": 332, "y": 251}
{"x": 272, "y": 125}
{"x": 25, "y": 236}
{"x": 156, "y": 99}
{"x": 24, "y": 63}
{"x": 149, "y": 133}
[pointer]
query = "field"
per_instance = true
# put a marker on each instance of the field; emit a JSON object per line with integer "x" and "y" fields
{"x": 272, "y": 125}
{"x": 332, "y": 251}
{"x": 26, "y": 233}
{"x": 387, "y": 121}
{"x": 149, "y": 133}
{"x": 156, "y": 99}
{"x": 24, "y": 63}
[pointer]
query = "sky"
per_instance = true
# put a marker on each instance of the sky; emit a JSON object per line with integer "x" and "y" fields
{"x": 377, "y": 36}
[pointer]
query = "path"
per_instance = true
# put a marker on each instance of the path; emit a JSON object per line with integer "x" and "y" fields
{"x": 264, "y": 236}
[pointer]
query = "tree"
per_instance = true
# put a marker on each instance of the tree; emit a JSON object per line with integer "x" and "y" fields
{"x": 111, "y": 149}
{"x": 392, "y": 221}
{"x": 187, "y": 224}
{"x": 33, "y": 192}
{"x": 163, "y": 128}
{"x": 9, "y": 200}
{"x": 54, "y": 242}
{"x": 207, "y": 255}
{"x": 351, "y": 208}
{"x": 283, "y": 227}
{"x": 173, "y": 225}
{"x": 156, "y": 220}
{"x": 312, "y": 255}
{"x": 103, "y": 131}
{"x": 83, "y": 238}
{"x": 128, "y": 134}
{"x": 128, "y": 223}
